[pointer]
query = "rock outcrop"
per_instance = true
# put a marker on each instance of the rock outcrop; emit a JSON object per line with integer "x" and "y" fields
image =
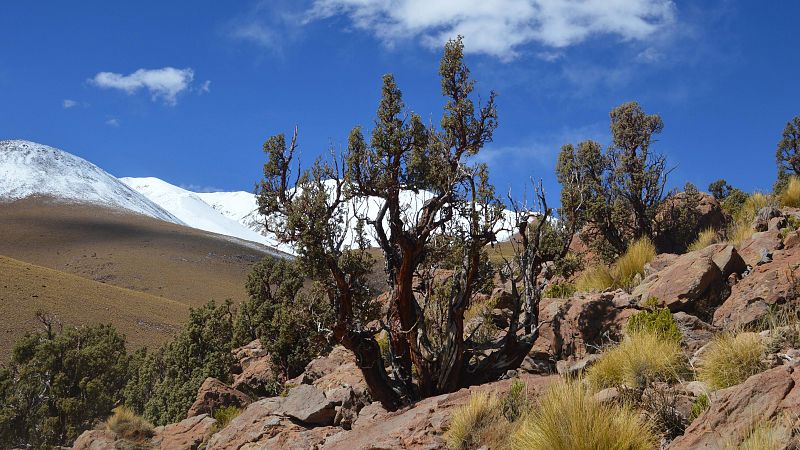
{"x": 214, "y": 394}
{"x": 255, "y": 376}
{"x": 735, "y": 410}
{"x": 187, "y": 434}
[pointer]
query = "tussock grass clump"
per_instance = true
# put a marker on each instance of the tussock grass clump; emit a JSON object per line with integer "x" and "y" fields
{"x": 704, "y": 239}
{"x": 622, "y": 273}
{"x": 742, "y": 226}
{"x": 659, "y": 321}
{"x": 790, "y": 196}
{"x": 472, "y": 425}
{"x": 764, "y": 435}
{"x": 127, "y": 425}
{"x": 225, "y": 414}
{"x": 568, "y": 417}
{"x": 559, "y": 290}
{"x": 640, "y": 359}
{"x": 730, "y": 359}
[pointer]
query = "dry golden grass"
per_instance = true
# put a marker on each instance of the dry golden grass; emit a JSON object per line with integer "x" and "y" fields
{"x": 704, "y": 239}
{"x": 742, "y": 226}
{"x": 129, "y": 426}
{"x": 730, "y": 359}
{"x": 790, "y": 196}
{"x": 477, "y": 423}
{"x": 146, "y": 320}
{"x": 622, "y": 273}
{"x": 641, "y": 358}
{"x": 568, "y": 417}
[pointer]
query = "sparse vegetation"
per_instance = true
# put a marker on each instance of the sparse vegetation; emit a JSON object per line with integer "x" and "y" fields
{"x": 742, "y": 226}
{"x": 638, "y": 360}
{"x": 764, "y": 435}
{"x": 622, "y": 273}
{"x": 704, "y": 239}
{"x": 730, "y": 359}
{"x": 515, "y": 403}
{"x": 699, "y": 406}
{"x": 657, "y": 321}
{"x": 559, "y": 290}
{"x": 568, "y": 417}
{"x": 126, "y": 424}
{"x": 224, "y": 415}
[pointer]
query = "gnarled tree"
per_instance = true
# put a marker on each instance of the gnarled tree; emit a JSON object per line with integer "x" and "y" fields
{"x": 787, "y": 154}
{"x": 457, "y": 213}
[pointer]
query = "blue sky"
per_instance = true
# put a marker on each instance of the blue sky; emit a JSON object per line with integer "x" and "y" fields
{"x": 188, "y": 91}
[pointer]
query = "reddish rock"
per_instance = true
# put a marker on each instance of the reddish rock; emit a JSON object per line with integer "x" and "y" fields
{"x": 694, "y": 332}
{"x": 767, "y": 285}
{"x": 692, "y": 283}
{"x": 578, "y": 325}
{"x": 95, "y": 440}
{"x": 734, "y": 410}
{"x": 309, "y": 405}
{"x": 214, "y": 394}
{"x": 727, "y": 258}
{"x": 752, "y": 248}
{"x": 660, "y": 262}
{"x": 260, "y": 420}
{"x": 185, "y": 435}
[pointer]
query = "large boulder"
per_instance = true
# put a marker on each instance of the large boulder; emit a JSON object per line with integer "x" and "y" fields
{"x": 214, "y": 394}
{"x": 581, "y": 324}
{"x": 694, "y": 332}
{"x": 255, "y": 376}
{"x": 187, "y": 434}
{"x": 96, "y": 440}
{"x": 767, "y": 285}
{"x": 735, "y": 410}
{"x": 709, "y": 214}
{"x": 757, "y": 248}
{"x": 309, "y": 405}
{"x": 692, "y": 283}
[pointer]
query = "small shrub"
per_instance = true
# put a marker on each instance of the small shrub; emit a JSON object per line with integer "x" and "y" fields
{"x": 559, "y": 290}
{"x": 515, "y": 403}
{"x": 127, "y": 425}
{"x": 568, "y": 417}
{"x": 704, "y": 239}
{"x": 475, "y": 423}
{"x": 225, "y": 415}
{"x": 622, "y": 273}
{"x": 742, "y": 225}
{"x": 660, "y": 322}
{"x": 637, "y": 361}
{"x": 730, "y": 359}
{"x": 790, "y": 196}
{"x": 699, "y": 406}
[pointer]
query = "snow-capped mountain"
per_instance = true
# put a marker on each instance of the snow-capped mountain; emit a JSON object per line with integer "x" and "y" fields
{"x": 29, "y": 169}
{"x": 192, "y": 210}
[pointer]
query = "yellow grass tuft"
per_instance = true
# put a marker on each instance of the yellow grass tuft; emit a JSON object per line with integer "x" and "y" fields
{"x": 730, "y": 359}
{"x": 765, "y": 435}
{"x": 742, "y": 226}
{"x": 477, "y": 422}
{"x": 641, "y": 358}
{"x": 129, "y": 426}
{"x": 622, "y": 273}
{"x": 704, "y": 239}
{"x": 790, "y": 196}
{"x": 568, "y": 417}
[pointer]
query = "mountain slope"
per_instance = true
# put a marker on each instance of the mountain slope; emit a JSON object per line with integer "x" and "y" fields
{"x": 190, "y": 208}
{"x": 29, "y": 169}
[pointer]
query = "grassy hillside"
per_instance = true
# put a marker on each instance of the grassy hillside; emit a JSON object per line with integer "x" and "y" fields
{"x": 25, "y": 288}
{"x": 129, "y": 251}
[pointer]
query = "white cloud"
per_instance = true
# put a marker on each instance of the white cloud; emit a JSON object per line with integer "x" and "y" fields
{"x": 205, "y": 87}
{"x": 499, "y": 27}
{"x": 67, "y": 103}
{"x": 112, "y": 122}
{"x": 165, "y": 83}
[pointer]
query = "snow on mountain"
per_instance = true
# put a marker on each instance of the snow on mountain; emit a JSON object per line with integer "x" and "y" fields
{"x": 190, "y": 208}
{"x": 29, "y": 169}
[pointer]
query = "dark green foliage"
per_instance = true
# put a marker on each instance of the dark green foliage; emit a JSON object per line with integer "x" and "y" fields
{"x": 620, "y": 190}
{"x": 679, "y": 221}
{"x": 59, "y": 384}
{"x": 559, "y": 290}
{"x": 787, "y": 154}
{"x": 720, "y": 189}
{"x": 516, "y": 402}
{"x": 659, "y": 321}
{"x": 163, "y": 384}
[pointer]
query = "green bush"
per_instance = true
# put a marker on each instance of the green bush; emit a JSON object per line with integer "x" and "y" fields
{"x": 559, "y": 290}
{"x": 163, "y": 384}
{"x": 515, "y": 403}
{"x": 658, "y": 321}
{"x": 699, "y": 406}
{"x": 59, "y": 384}
{"x": 225, "y": 415}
